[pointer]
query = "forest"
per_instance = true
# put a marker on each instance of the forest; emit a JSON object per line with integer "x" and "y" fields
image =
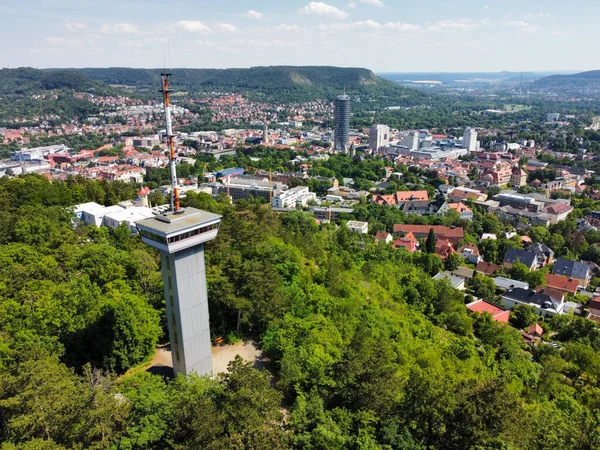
{"x": 366, "y": 351}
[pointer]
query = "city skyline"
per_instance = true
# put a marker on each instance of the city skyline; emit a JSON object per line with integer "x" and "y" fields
{"x": 384, "y": 36}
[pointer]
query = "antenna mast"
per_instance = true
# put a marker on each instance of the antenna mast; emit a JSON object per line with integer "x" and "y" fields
{"x": 174, "y": 189}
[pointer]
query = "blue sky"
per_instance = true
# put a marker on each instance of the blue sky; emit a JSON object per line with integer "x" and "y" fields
{"x": 383, "y": 35}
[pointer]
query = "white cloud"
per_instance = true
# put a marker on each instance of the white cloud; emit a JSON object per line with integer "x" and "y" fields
{"x": 254, "y": 14}
{"x": 370, "y": 25}
{"x": 202, "y": 43}
{"x": 378, "y": 3}
{"x": 226, "y": 28}
{"x": 63, "y": 42}
{"x": 524, "y": 27}
{"x": 193, "y": 26}
{"x": 287, "y": 28}
{"x": 323, "y": 9}
{"x": 463, "y": 24}
{"x": 537, "y": 16}
{"x": 75, "y": 26}
{"x": 352, "y": 5}
{"x": 120, "y": 28}
{"x": 399, "y": 26}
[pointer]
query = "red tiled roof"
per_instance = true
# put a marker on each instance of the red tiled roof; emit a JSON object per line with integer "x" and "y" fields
{"x": 408, "y": 245}
{"x": 562, "y": 283}
{"x": 481, "y": 306}
{"x": 439, "y": 230}
{"x": 487, "y": 268}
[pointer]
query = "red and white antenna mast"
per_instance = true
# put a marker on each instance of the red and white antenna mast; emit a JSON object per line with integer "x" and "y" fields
{"x": 170, "y": 138}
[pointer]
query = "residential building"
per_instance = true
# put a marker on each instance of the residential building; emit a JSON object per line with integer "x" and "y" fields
{"x": 384, "y": 236}
{"x": 342, "y": 122}
{"x": 330, "y": 214}
{"x": 594, "y": 313}
{"x": 464, "y": 194}
{"x": 409, "y": 242}
{"x": 379, "y": 136}
{"x": 558, "y": 211}
{"x": 485, "y": 268}
{"x": 529, "y": 259}
{"x": 465, "y": 212}
{"x": 573, "y": 269}
{"x": 498, "y": 314}
{"x": 455, "y": 282}
{"x": 359, "y": 227}
{"x": 470, "y": 140}
{"x": 544, "y": 304}
{"x": 298, "y": 196}
{"x": 564, "y": 284}
{"x": 452, "y": 234}
{"x": 464, "y": 272}
{"x": 470, "y": 252}
{"x": 399, "y": 197}
{"x": 518, "y": 177}
{"x": 543, "y": 254}
{"x": 507, "y": 283}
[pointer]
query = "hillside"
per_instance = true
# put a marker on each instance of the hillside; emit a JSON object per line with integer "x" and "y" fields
{"x": 275, "y": 81}
{"x": 580, "y": 81}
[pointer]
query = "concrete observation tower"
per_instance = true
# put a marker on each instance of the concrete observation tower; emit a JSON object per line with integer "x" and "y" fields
{"x": 180, "y": 235}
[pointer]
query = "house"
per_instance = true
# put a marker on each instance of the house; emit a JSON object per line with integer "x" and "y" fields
{"x": 543, "y": 303}
{"x": 465, "y": 212}
{"x": 464, "y": 194}
{"x": 518, "y": 177}
{"x": 544, "y": 254}
{"x": 452, "y": 234}
{"x": 535, "y": 331}
{"x": 359, "y": 227}
{"x": 408, "y": 244}
{"x": 524, "y": 257}
{"x": 595, "y": 310}
{"x": 455, "y": 282}
{"x": 470, "y": 252}
{"x": 485, "y": 268}
{"x": 573, "y": 269}
{"x": 443, "y": 248}
{"x": 464, "y": 272}
{"x": 399, "y": 197}
{"x": 564, "y": 284}
{"x": 485, "y": 236}
{"x": 498, "y": 314}
{"x": 383, "y": 236}
{"x": 507, "y": 283}
{"x": 558, "y": 211}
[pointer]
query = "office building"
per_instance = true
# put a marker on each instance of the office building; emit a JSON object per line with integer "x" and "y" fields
{"x": 180, "y": 238}
{"x": 411, "y": 141}
{"x": 342, "y": 122}
{"x": 296, "y": 196}
{"x": 379, "y": 136}
{"x": 470, "y": 140}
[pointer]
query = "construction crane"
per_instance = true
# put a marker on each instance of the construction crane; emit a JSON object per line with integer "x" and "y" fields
{"x": 270, "y": 181}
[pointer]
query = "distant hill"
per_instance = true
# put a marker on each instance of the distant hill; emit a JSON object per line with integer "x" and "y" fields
{"x": 26, "y": 80}
{"x": 273, "y": 81}
{"x": 578, "y": 81}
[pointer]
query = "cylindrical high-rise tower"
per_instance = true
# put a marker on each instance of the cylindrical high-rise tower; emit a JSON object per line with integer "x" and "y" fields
{"x": 342, "y": 122}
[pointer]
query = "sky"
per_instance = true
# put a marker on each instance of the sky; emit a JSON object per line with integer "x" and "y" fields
{"x": 382, "y": 35}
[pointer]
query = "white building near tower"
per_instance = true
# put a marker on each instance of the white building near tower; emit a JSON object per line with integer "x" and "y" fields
{"x": 470, "y": 140}
{"x": 379, "y": 136}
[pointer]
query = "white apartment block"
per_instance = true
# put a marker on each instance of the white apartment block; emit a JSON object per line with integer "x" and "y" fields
{"x": 379, "y": 136}
{"x": 297, "y": 196}
{"x": 470, "y": 140}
